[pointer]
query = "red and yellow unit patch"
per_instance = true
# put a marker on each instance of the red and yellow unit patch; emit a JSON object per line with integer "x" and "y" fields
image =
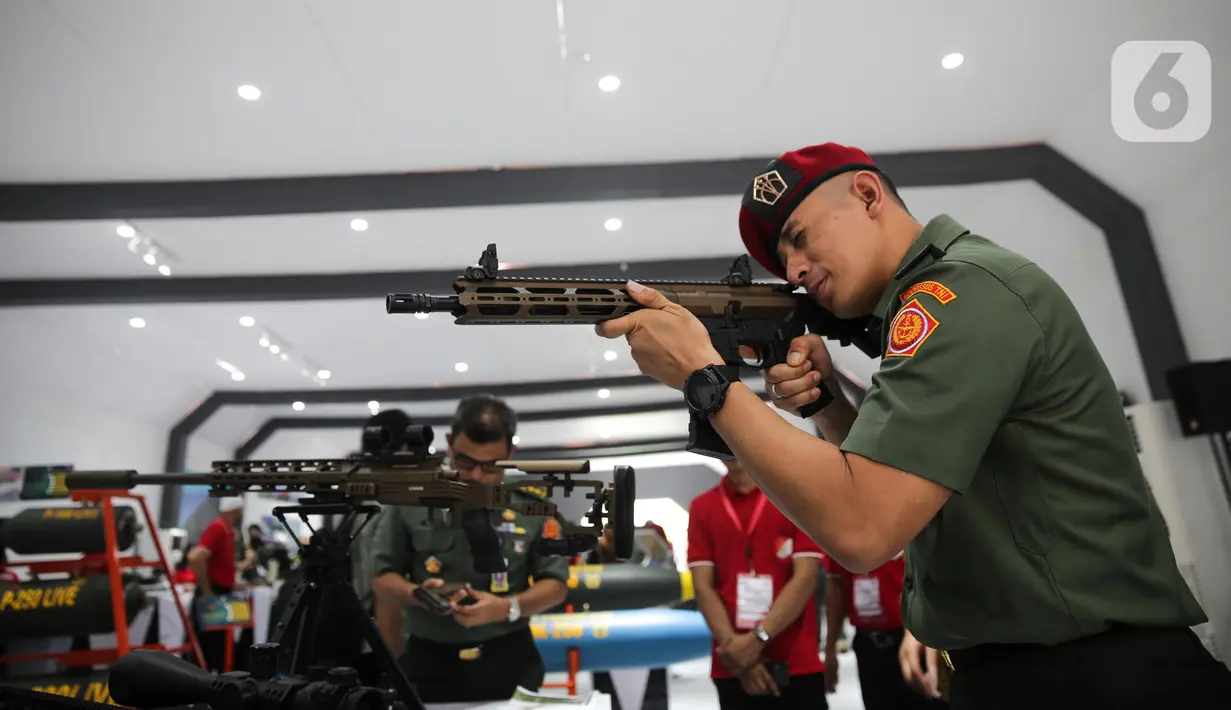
{"x": 910, "y": 328}
{"x": 933, "y": 288}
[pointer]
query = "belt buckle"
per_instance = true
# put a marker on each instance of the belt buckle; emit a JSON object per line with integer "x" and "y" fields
{"x": 470, "y": 654}
{"x": 948, "y": 662}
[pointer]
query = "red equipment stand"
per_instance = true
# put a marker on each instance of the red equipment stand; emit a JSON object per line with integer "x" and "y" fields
{"x": 111, "y": 563}
{"x": 574, "y": 665}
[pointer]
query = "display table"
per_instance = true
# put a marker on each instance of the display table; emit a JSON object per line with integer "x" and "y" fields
{"x": 598, "y": 702}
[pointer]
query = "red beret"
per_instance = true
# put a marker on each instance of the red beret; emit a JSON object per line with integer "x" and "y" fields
{"x": 775, "y": 193}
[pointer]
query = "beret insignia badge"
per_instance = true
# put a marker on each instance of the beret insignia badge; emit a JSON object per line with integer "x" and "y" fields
{"x": 768, "y": 188}
{"x": 910, "y": 328}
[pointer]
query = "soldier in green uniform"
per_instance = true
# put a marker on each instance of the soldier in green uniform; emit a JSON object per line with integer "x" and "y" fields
{"x": 991, "y": 446}
{"x": 484, "y": 649}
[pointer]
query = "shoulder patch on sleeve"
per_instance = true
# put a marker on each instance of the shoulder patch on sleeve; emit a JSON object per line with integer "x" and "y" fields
{"x": 933, "y": 288}
{"x": 910, "y": 328}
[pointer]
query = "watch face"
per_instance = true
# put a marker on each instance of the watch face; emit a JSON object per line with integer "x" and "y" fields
{"x": 702, "y": 390}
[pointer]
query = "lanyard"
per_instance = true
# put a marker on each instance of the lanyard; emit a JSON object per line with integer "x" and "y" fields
{"x": 752, "y": 524}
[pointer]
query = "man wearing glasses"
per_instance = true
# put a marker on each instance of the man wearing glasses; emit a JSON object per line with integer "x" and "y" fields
{"x": 482, "y": 648}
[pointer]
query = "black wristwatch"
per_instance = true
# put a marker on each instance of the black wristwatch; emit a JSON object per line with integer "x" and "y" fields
{"x": 705, "y": 390}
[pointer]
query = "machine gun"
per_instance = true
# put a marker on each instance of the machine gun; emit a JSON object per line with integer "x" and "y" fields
{"x": 410, "y": 478}
{"x": 764, "y": 317}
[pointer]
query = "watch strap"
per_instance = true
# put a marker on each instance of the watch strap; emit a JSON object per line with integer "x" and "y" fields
{"x": 761, "y": 634}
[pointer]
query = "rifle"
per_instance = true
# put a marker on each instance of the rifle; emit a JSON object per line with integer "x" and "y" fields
{"x": 416, "y": 479}
{"x": 764, "y": 317}
{"x": 409, "y": 478}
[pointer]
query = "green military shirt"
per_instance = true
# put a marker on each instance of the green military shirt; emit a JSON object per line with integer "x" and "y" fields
{"x": 991, "y": 386}
{"x": 416, "y": 543}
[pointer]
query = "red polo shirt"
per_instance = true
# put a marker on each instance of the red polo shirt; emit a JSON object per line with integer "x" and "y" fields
{"x": 219, "y": 538}
{"x": 774, "y": 542}
{"x": 873, "y": 600}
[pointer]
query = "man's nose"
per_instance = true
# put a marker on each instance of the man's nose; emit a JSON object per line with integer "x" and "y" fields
{"x": 796, "y": 269}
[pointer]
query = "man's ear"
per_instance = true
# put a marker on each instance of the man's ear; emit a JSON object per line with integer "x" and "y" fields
{"x": 869, "y": 190}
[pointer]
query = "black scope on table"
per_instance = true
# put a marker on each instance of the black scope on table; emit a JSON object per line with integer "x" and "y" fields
{"x": 148, "y": 680}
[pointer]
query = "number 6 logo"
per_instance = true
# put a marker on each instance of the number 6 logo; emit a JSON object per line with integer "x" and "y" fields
{"x": 1161, "y": 92}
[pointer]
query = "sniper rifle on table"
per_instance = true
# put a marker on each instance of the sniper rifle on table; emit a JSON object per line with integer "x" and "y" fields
{"x": 418, "y": 479}
{"x": 736, "y": 311}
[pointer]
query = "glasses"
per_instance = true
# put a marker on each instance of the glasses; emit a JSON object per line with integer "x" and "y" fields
{"x": 462, "y": 462}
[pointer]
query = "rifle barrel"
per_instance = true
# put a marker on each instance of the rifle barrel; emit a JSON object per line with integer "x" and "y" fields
{"x": 420, "y": 303}
{"x": 127, "y": 480}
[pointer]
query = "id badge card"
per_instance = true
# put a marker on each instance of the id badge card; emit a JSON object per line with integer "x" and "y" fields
{"x": 754, "y": 597}
{"x": 867, "y": 592}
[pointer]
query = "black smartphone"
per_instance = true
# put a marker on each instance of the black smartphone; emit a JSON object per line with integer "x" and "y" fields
{"x": 781, "y": 673}
{"x": 437, "y": 601}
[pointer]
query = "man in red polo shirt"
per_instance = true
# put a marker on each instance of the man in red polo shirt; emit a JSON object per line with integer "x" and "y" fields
{"x": 212, "y": 562}
{"x": 754, "y": 573}
{"x": 872, "y": 601}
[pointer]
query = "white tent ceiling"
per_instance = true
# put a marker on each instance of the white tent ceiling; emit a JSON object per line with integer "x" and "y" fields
{"x": 134, "y": 89}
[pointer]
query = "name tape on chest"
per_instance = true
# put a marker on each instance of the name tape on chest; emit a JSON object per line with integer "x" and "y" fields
{"x": 911, "y": 327}
{"x": 933, "y": 288}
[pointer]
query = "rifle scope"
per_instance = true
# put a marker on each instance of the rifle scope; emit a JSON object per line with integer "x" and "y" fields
{"x": 390, "y": 440}
{"x": 148, "y": 680}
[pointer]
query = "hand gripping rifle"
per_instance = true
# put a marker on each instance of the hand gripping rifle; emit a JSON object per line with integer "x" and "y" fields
{"x": 413, "y": 478}
{"x": 764, "y": 317}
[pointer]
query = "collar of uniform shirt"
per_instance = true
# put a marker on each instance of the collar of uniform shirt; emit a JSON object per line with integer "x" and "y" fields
{"x": 940, "y": 232}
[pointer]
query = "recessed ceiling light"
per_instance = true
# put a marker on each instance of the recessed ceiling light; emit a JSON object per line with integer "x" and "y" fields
{"x": 421, "y": 316}
{"x": 298, "y": 406}
{"x": 275, "y": 349}
{"x": 164, "y": 270}
{"x": 150, "y": 259}
{"x": 516, "y": 440}
{"x": 324, "y": 374}
{"x": 263, "y": 342}
{"x": 247, "y": 321}
{"x": 952, "y": 61}
{"x": 613, "y": 224}
{"x": 359, "y": 225}
{"x": 606, "y": 435}
{"x": 248, "y": 92}
{"x": 431, "y": 449}
{"x": 237, "y": 376}
{"x": 609, "y": 83}
{"x": 373, "y": 405}
{"x": 137, "y": 322}
{"x": 609, "y": 355}
{"x": 604, "y": 394}
{"x": 284, "y": 357}
{"x": 126, "y": 231}
{"x": 461, "y": 367}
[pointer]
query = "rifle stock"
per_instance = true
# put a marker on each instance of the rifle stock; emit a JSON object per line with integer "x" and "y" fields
{"x": 736, "y": 311}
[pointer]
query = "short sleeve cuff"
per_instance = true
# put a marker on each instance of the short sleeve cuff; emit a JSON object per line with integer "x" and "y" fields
{"x": 552, "y": 568}
{"x": 904, "y": 450}
{"x": 700, "y": 563}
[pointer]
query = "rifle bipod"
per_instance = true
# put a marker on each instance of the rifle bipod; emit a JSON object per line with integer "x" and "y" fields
{"x": 325, "y": 587}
